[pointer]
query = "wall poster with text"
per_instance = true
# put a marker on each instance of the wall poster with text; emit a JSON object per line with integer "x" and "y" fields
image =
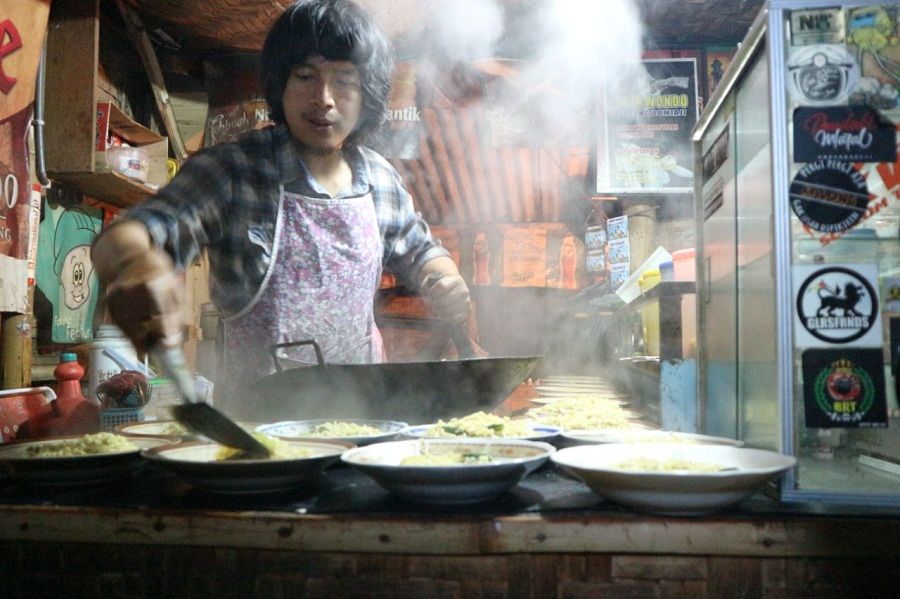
{"x": 22, "y": 29}
{"x": 644, "y": 141}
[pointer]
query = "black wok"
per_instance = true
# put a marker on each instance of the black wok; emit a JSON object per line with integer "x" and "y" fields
{"x": 415, "y": 392}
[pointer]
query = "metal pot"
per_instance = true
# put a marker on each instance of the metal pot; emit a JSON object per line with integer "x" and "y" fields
{"x": 411, "y": 391}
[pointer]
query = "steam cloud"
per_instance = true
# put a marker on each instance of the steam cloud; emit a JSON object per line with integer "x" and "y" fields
{"x": 561, "y": 54}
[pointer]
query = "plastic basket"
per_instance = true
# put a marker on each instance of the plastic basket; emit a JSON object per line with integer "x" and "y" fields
{"x": 110, "y": 419}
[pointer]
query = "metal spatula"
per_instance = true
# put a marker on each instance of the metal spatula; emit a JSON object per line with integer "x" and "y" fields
{"x": 199, "y": 416}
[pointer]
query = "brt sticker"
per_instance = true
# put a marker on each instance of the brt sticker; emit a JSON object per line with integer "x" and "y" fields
{"x": 836, "y": 305}
{"x": 844, "y": 388}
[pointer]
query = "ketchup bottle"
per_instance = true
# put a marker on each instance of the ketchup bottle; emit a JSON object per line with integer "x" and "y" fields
{"x": 78, "y": 415}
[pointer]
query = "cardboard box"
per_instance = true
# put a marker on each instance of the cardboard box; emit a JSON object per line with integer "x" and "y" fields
{"x": 112, "y": 126}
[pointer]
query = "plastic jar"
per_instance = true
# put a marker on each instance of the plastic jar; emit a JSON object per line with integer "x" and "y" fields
{"x": 650, "y": 313}
{"x": 111, "y": 353}
{"x": 684, "y": 263}
{"x": 131, "y": 162}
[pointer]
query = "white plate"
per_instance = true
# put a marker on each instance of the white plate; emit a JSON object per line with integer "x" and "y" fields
{"x": 577, "y": 389}
{"x": 538, "y": 432}
{"x": 452, "y": 484}
{"x": 636, "y": 435}
{"x": 73, "y": 470}
{"x": 304, "y": 429}
{"x": 674, "y": 492}
{"x": 622, "y": 400}
{"x": 196, "y": 463}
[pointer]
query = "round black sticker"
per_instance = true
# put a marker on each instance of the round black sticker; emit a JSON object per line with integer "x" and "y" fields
{"x": 829, "y": 195}
{"x": 837, "y": 305}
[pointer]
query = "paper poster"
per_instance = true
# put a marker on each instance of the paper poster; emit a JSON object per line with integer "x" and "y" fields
{"x": 618, "y": 274}
{"x": 619, "y": 251}
{"x": 717, "y": 60}
{"x": 22, "y": 30}
{"x": 564, "y": 257}
{"x": 65, "y": 273}
{"x": 644, "y": 143}
{"x": 524, "y": 257}
{"x": 617, "y": 228}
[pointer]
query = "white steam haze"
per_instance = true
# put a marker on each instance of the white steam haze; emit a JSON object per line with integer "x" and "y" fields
{"x": 577, "y": 50}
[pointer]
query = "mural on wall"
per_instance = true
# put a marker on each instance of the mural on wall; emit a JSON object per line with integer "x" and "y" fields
{"x": 22, "y": 28}
{"x": 65, "y": 273}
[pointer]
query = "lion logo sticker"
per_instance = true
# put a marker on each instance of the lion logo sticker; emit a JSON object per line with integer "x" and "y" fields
{"x": 836, "y": 305}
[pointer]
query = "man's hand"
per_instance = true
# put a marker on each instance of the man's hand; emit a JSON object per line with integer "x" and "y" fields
{"x": 445, "y": 290}
{"x": 143, "y": 293}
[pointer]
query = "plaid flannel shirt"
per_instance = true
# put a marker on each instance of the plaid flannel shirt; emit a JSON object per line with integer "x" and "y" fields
{"x": 225, "y": 199}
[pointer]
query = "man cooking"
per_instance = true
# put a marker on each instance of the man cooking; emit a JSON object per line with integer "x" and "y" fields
{"x": 298, "y": 219}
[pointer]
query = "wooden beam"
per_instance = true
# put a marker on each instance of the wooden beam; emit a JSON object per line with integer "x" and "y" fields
{"x": 154, "y": 72}
{"x": 70, "y": 103}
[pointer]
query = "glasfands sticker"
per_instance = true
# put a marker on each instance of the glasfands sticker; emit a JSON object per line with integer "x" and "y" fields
{"x": 836, "y": 305}
{"x": 844, "y": 388}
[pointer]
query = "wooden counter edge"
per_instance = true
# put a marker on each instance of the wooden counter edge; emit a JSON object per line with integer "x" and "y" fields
{"x": 781, "y": 536}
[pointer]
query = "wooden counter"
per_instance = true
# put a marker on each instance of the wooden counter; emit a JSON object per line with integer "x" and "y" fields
{"x": 572, "y": 545}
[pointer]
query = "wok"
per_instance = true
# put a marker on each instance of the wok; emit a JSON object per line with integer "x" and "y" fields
{"x": 416, "y": 392}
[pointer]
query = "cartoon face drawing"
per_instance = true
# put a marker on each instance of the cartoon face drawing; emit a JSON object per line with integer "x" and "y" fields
{"x": 72, "y": 257}
{"x": 75, "y": 276}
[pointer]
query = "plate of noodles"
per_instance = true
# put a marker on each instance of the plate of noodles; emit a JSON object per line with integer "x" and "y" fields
{"x": 585, "y": 412}
{"x": 219, "y": 469}
{"x": 483, "y": 425}
{"x": 76, "y": 459}
{"x": 357, "y": 432}
{"x": 673, "y": 478}
{"x": 640, "y": 435}
{"x": 449, "y": 471}
{"x": 164, "y": 428}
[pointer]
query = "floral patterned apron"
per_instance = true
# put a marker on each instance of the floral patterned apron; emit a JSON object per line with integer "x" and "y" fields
{"x": 321, "y": 284}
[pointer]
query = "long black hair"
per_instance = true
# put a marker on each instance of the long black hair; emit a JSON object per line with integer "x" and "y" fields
{"x": 335, "y": 30}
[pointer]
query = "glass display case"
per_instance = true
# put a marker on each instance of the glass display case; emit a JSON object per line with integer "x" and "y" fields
{"x": 798, "y": 260}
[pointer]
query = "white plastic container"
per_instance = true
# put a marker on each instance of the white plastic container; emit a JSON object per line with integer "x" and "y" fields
{"x": 111, "y": 353}
{"x": 131, "y": 162}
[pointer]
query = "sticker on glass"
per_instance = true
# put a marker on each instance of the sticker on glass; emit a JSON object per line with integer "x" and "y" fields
{"x": 836, "y": 305}
{"x": 850, "y": 133}
{"x": 822, "y": 74}
{"x": 817, "y": 26}
{"x": 829, "y": 195}
{"x": 844, "y": 388}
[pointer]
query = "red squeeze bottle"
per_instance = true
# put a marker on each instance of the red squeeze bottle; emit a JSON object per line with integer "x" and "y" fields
{"x": 78, "y": 415}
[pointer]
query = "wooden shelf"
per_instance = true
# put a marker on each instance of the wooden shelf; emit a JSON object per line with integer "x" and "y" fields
{"x": 71, "y": 108}
{"x": 112, "y": 188}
